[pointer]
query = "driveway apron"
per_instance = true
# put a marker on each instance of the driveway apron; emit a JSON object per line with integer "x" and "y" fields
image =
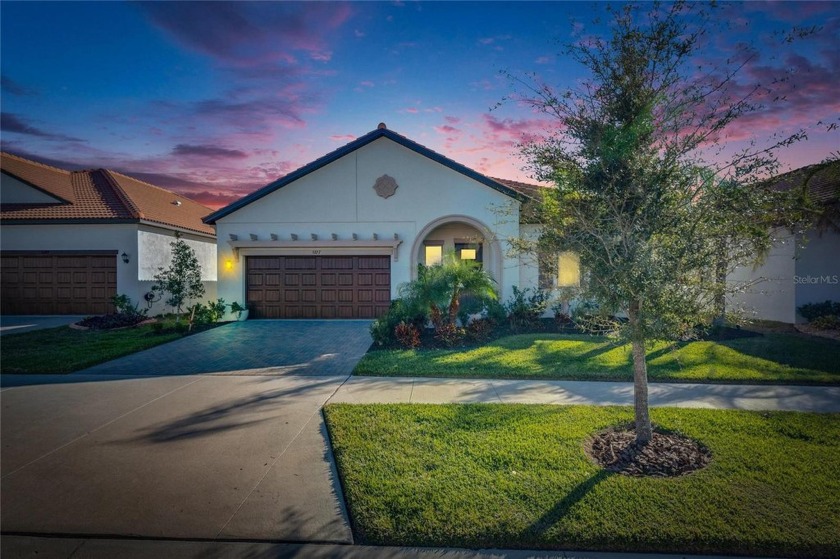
{"x": 147, "y": 447}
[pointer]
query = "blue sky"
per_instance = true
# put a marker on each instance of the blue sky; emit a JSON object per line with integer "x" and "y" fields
{"x": 216, "y": 99}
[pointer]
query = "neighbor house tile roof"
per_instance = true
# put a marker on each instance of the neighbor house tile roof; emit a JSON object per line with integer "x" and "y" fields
{"x": 822, "y": 181}
{"x": 98, "y": 195}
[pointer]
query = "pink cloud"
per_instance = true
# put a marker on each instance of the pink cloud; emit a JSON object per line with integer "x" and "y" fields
{"x": 250, "y": 34}
{"x": 410, "y": 110}
{"x": 342, "y": 138}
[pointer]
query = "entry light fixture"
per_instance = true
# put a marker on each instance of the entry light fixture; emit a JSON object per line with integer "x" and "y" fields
{"x": 124, "y": 257}
{"x": 228, "y": 264}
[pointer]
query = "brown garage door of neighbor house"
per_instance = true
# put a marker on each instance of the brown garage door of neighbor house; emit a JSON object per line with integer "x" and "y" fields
{"x": 318, "y": 286}
{"x": 57, "y": 283}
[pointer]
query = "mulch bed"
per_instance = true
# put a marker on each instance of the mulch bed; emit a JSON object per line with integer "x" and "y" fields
{"x": 112, "y": 321}
{"x": 666, "y": 455}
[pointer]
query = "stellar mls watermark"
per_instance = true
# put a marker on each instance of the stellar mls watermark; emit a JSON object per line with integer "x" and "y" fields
{"x": 814, "y": 280}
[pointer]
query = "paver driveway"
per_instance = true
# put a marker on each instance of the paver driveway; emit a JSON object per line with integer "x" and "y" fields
{"x": 159, "y": 451}
{"x": 319, "y": 347}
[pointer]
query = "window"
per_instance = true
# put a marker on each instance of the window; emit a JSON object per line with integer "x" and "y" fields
{"x": 568, "y": 269}
{"x": 433, "y": 252}
{"x": 469, "y": 251}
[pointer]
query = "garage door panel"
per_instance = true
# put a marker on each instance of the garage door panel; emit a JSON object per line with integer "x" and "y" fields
{"x": 320, "y": 286}
{"x": 58, "y": 283}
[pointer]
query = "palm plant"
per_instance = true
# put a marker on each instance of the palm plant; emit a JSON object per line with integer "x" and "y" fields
{"x": 439, "y": 288}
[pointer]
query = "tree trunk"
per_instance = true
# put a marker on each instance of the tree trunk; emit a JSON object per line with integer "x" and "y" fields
{"x": 720, "y": 285}
{"x": 640, "y": 381}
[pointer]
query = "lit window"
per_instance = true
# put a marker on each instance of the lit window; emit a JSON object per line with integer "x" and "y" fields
{"x": 471, "y": 251}
{"x": 434, "y": 254}
{"x": 568, "y": 269}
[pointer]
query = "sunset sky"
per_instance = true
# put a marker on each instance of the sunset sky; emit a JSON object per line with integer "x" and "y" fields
{"x": 215, "y": 100}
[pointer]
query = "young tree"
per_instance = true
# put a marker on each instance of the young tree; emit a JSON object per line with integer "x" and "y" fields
{"x": 634, "y": 197}
{"x": 182, "y": 280}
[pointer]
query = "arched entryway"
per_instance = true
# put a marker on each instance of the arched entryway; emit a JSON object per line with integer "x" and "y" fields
{"x": 467, "y": 237}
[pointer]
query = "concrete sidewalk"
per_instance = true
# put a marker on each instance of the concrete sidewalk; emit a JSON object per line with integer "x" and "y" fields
{"x": 358, "y": 390}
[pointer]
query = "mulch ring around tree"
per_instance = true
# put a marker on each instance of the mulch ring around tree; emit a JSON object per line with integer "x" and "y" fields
{"x": 666, "y": 455}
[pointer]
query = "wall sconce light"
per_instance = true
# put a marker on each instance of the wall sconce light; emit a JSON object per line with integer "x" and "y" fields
{"x": 228, "y": 264}
{"x": 124, "y": 257}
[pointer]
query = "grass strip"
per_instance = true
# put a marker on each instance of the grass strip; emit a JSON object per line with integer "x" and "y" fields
{"x": 516, "y": 476}
{"x": 64, "y": 350}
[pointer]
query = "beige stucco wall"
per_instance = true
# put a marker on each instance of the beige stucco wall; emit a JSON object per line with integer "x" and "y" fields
{"x": 817, "y": 276}
{"x": 13, "y": 191}
{"x": 768, "y": 289}
{"x": 339, "y": 198}
{"x": 111, "y": 237}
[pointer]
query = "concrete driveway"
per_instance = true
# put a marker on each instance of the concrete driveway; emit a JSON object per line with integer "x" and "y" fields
{"x": 159, "y": 451}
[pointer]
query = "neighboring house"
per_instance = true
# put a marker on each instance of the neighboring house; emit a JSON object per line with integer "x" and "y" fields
{"x": 336, "y": 238}
{"x": 71, "y": 240}
{"x": 799, "y": 269}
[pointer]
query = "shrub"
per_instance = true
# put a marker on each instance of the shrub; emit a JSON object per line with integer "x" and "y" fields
{"x": 495, "y": 311}
{"x": 449, "y": 335}
{"x": 407, "y": 335}
{"x": 157, "y": 327}
{"x": 215, "y": 311}
{"x": 122, "y": 303}
{"x": 383, "y": 329}
{"x": 813, "y": 311}
{"x": 235, "y": 307}
{"x": 525, "y": 307}
{"x": 481, "y": 330}
{"x": 181, "y": 327}
{"x": 826, "y": 322}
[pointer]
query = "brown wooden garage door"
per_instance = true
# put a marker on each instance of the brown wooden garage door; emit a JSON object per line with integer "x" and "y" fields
{"x": 57, "y": 283}
{"x": 318, "y": 286}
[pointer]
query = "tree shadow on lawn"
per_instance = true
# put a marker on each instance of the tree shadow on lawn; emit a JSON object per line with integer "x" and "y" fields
{"x": 536, "y": 531}
{"x": 819, "y": 354}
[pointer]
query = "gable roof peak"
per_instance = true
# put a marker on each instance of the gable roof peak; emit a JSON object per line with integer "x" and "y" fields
{"x": 380, "y": 132}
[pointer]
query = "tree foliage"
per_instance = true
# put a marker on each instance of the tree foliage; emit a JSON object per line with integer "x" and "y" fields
{"x": 655, "y": 223}
{"x": 182, "y": 280}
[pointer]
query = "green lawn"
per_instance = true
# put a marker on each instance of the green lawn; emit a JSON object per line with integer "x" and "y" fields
{"x": 64, "y": 350}
{"x": 772, "y": 358}
{"x": 516, "y": 476}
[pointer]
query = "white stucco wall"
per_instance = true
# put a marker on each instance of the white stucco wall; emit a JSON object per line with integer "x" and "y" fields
{"x": 339, "y": 198}
{"x": 13, "y": 191}
{"x": 770, "y": 292}
{"x": 111, "y": 237}
{"x": 154, "y": 252}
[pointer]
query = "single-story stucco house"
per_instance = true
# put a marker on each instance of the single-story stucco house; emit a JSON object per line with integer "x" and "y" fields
{"x": 71, "y": 240}
{"x": 336, "y": 238}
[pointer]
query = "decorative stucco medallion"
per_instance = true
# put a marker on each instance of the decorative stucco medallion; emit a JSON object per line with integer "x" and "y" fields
{"x": 385, "y": 186}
